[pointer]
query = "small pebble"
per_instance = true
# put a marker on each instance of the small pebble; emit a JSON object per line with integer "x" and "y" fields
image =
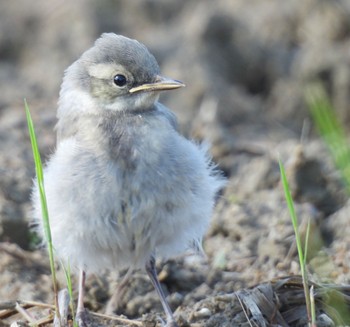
{"x": 203, "y": 313}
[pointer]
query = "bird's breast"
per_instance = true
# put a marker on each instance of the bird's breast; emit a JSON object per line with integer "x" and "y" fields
{"x": 136, "y": 142}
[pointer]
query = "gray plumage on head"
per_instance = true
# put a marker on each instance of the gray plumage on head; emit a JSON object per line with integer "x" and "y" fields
{"x": 117, "y": 49}
{"x": 90, "y": 81}
{"x": 121, "y": 55}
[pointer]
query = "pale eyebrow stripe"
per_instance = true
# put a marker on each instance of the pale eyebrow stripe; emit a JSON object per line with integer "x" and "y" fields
{"x": 104, "y": 71}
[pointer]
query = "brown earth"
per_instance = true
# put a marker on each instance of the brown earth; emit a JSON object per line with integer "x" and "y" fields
{"x": 246, "y": 66}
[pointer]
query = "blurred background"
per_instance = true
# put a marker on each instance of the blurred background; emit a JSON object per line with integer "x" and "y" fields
{"x": 246, "y": 65}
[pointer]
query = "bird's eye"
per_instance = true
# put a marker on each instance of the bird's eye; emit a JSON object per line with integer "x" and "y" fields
{"x": 119, "y": 80}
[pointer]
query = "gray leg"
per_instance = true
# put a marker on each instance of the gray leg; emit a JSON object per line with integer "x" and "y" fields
{"x": 118, "y": 294}
{"x": 81, "y": 316}
{"x": 152, "y": 273}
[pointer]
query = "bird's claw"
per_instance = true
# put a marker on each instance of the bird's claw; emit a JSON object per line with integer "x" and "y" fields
{"x": 168, "y": 323}
{"x": 82, "y": 318}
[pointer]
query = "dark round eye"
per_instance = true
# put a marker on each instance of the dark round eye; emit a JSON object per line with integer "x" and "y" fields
{"x": 119, "y": 80}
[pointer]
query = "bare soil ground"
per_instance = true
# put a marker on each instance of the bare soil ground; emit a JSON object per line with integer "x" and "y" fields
{"x": 246, "y": 66}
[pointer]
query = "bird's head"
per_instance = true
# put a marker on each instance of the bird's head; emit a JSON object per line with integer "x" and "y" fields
{"x": 117, "y": 73}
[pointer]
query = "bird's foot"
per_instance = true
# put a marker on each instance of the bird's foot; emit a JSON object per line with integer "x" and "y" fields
{"x": 82, "y": 318}
{"x": 171, "y": 323}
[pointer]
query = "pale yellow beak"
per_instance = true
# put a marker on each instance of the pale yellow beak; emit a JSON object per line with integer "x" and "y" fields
{"x": 161, "y": 84}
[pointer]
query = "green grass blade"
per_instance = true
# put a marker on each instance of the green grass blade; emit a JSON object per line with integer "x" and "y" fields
{"x": 313, "y": 307}
{"x": 67, "y": 274}
{"x": 294, "y": 219}
{"x": 330, "y": 129}
{"x": 306, "y": 249}
{"x": 334, "y": 136}
{"x": 39, "y": 174}
{"x": 292, "y": 213}
{"x": 45, "y": 213}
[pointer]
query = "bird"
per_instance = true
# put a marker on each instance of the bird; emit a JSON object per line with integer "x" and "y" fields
{"x": 123, "y": 186}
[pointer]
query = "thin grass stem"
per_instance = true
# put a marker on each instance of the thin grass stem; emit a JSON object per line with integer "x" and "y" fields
{"x": 67, "y": 273}
{"x": 313, "y": 307}
{"x": 307, "y": 236}
{"x": 294, "y": 219}
{"x": 330, "y": 129}
{"x": 44, "y": 209}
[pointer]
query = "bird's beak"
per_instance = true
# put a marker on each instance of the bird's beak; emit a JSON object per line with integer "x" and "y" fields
{"x": 161, "y": 84}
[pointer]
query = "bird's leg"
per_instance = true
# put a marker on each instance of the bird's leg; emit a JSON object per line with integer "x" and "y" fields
{"x": 82, "y": 277}
{"x": 81, "y": 316}
{"x": 119, "y": 293}
{"x": 152, "y": 273}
